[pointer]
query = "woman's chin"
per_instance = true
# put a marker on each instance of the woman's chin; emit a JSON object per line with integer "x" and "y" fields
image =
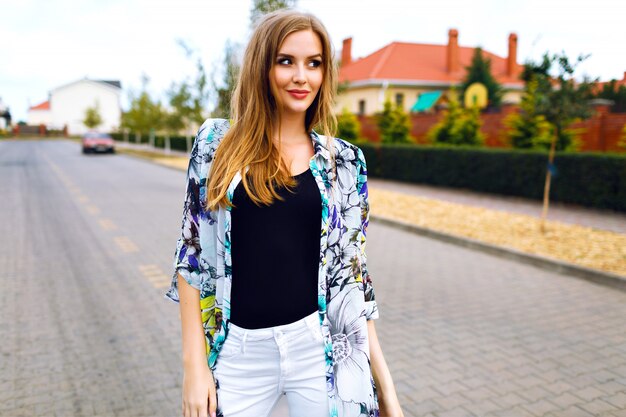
{"x": 295, "y": 110}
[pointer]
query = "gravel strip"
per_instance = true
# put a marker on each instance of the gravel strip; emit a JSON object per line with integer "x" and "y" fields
{"x": 591, "y": 248}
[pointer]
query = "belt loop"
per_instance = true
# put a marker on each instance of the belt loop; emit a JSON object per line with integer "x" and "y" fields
{"x": 312, "y": 320}
{"x": 312, "y": 323}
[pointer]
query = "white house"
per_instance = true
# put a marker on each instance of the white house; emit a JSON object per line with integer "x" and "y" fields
{"x": 40, "y": 114}
{"x": 67, "y": 106}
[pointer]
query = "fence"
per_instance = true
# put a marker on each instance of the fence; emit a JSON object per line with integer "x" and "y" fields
{"x": 601, "y": 133}
{"x": 38, "y": 130}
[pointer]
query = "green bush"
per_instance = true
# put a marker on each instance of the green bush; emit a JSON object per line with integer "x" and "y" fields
{"x": 459, "y": 126}
{"x": 588, "y": 179}
{"x": 348, "y": 126}
{"x": 177, "y": 143}
{"x": 394, "y": 124}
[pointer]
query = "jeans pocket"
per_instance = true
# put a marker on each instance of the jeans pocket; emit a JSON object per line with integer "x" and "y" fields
{"x": 231, "y": 348}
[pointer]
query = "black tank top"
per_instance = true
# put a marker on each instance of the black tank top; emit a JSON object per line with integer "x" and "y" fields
{"x": 275, "y": 256}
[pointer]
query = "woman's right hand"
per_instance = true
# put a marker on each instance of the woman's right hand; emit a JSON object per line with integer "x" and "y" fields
{"x": 198, "y": 387}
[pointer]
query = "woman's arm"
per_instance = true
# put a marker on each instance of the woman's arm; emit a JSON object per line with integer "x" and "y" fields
{"x": 387, "y": 397}
{"x": 194, "y": 346}
{"x": 198, "y": 383}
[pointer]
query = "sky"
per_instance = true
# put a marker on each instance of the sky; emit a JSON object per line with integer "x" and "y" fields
{"x": 49, "y": 43}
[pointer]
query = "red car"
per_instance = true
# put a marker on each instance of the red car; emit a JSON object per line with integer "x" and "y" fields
{"x": 98, "y": 142}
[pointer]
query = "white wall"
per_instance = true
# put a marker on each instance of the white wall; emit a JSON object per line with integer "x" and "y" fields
{"x": 39, "y": 117}
{"x": 69, "y": 103}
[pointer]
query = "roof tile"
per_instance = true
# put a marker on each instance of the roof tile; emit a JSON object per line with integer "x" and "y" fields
{"x": 420, "y": 62}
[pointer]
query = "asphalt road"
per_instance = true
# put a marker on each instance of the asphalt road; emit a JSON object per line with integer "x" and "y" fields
{"x": 86, "y": 246}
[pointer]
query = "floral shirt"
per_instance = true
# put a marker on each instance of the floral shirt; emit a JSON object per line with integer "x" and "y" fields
{"x": 345, "y": 293}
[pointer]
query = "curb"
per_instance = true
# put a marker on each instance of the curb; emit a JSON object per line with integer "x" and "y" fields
{"x": 549, "y": 264}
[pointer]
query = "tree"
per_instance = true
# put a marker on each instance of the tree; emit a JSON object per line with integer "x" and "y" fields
{"x": 200, "y": 99}
{"x": 92, "y": 118}
{"x": 189, "y": 99}
{"x": 181, "y": 110}
{"x": 348, "y": 126}
{"x": 263, "y": 7}
{"x": 479, "y": 71}
{"x": 231, "y": 73}
{"x": 394, "y": 124}
{"x": 561, "y": 100}
{"x": 145, "y": 113}
{"x": 529, "y": 129}
{"x": 458, "y": 126}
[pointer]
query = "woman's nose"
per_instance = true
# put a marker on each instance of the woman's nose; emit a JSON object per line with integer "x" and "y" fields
{"x": 298, "y": 74}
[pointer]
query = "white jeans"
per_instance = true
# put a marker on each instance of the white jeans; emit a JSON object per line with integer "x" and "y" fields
{"x": 256, "y": 367}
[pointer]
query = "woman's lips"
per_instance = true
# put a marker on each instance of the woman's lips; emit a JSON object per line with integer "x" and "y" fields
{"x": 298, "y": 94}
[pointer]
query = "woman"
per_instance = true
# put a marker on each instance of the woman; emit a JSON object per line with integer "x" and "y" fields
{"x": 271, "y": 303}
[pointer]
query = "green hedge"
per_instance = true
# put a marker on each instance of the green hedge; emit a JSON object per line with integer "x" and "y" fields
{"x": 132, "y": 137}
{"x": 177, "y": 143}
{"x": 588, "y": 179}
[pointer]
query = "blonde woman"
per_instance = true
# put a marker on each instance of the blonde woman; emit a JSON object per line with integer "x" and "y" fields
{"x": 270, "y": 270}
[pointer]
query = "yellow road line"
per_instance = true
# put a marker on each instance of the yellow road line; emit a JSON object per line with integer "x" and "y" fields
{"x": 107, "y": 224}
{"x": 125, "y": 244}
{"x": 155, "y": 275}
{"x": 93, "y": 209}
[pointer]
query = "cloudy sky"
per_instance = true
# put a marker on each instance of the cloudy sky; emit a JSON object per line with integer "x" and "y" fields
{"x": 48, "y": 43}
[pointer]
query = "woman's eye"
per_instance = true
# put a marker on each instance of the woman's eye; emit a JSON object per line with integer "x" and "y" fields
{"x": 284, "y": 61}
{"x": 315, "y": 63}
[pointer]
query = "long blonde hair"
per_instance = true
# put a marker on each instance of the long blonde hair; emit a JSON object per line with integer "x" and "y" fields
{"x": 248, "y": 142}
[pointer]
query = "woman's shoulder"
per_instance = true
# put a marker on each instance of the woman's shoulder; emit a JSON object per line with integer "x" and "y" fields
{"x": 212, "y": 131}
{"x": 207, "y": 139}
{"x": 348, "y": 151}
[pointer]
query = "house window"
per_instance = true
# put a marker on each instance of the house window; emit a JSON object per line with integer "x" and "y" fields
{"x": 361, "y": 107}
{"x": 399, "y": 99}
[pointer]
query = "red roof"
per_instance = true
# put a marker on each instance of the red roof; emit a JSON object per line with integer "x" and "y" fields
{"x": 421, "y": 62}
{"x": 41, "y": 106}
{"x": 618, "y": 83}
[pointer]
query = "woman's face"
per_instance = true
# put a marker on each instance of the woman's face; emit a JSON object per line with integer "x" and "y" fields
{"x": 297, "y": 71}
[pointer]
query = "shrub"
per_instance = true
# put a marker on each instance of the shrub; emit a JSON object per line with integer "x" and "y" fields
{"x": 394, "y": 124}
{"x": 348, "y": 126}
{"x": 458, "y": 126}
{"x": 589, "y": 179}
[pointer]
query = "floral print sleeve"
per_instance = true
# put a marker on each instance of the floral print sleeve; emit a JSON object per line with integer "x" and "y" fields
{"x": 197, "y": 256}
{"x": 187, "y": 261}
{"x": 371, "y": 309}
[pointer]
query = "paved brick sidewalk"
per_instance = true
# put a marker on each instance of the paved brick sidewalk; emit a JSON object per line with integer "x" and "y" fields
{"x": 469, "y": 334}
{"x": 567, "y": 213}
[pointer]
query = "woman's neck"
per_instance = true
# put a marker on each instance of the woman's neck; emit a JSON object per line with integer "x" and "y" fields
{"x": 291, "y": 129}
